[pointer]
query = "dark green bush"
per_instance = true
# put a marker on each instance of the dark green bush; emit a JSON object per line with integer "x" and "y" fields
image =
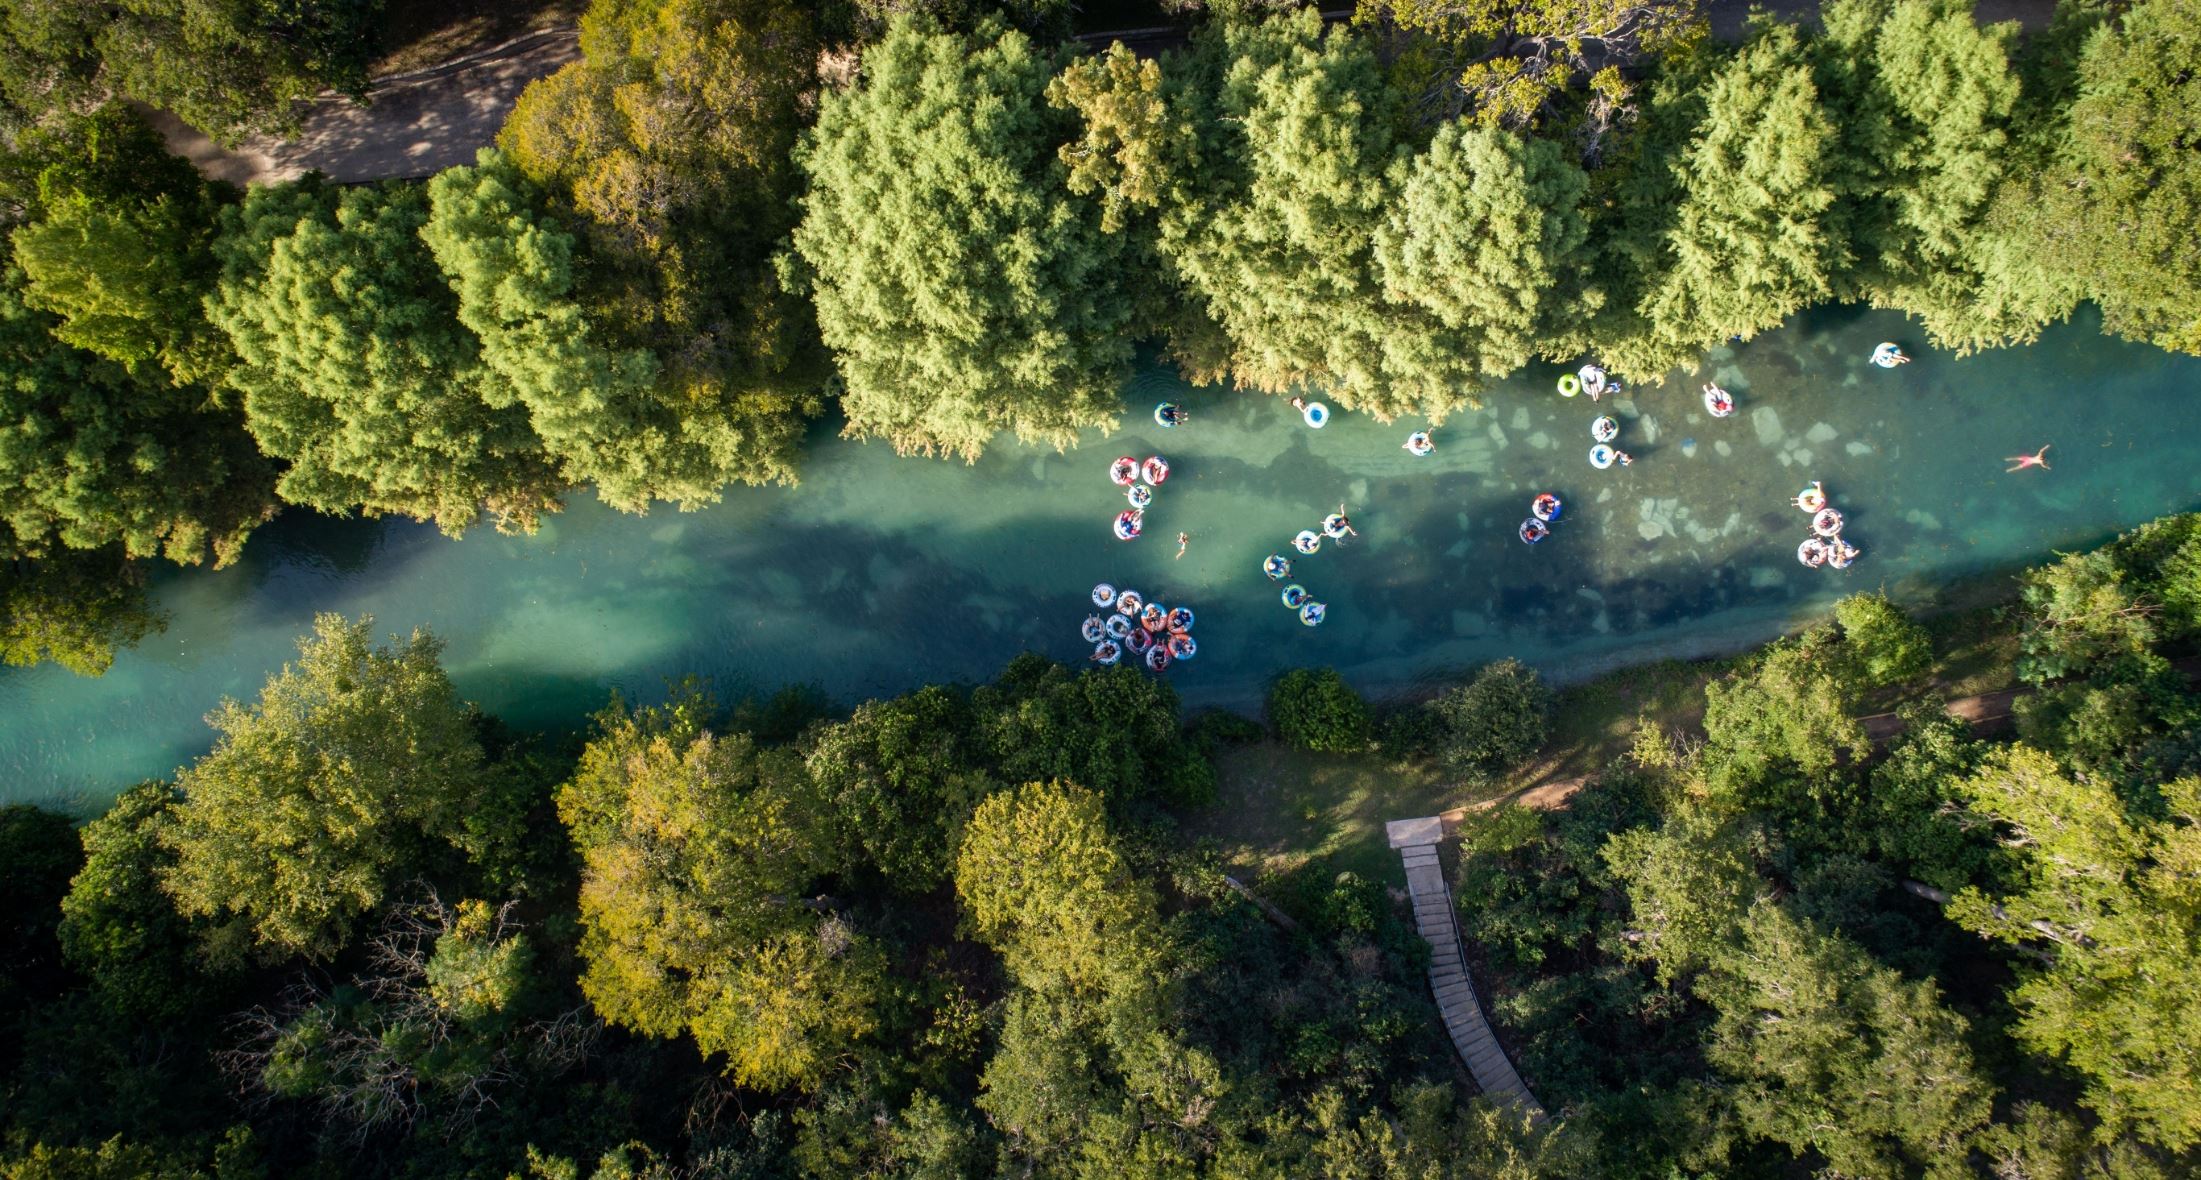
{"x": 1314, "y": 709}
{"x": 1884, "y": 645}
{"x": 1493, "y": 722}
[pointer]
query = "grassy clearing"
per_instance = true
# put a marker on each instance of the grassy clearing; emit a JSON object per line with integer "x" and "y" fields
{"x": 417, "y": 34}
{"x": 1278, "y": 807}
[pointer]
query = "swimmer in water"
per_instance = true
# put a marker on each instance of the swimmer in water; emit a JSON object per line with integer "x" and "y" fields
{"x": 1624, "y": 457}
{"x": 1345, "y": 522}
{"x": 1183, "y": 539}
{"x": 2038, "y": 459}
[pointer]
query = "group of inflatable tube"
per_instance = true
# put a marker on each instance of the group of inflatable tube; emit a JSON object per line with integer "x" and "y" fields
{"x": 1588, "y": 379}
{"x": 1542, "y": 512}
{"x": 1297, "y": 599}
{"x": 1887, "y": 355}
{"x": 1825, "y": 547}
{"x": 1718, "y": 402}
{"x": 1127, "y": 473}
{"x": 1152, "y": 633}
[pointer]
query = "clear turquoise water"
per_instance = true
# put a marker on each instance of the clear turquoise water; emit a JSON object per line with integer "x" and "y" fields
{"x": 880, "y": 573}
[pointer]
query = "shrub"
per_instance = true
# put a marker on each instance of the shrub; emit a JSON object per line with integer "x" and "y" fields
{"x": 1314, "y": 709}
{"x": 1885, "y": 646}
{"x": 1410, "y": 729}
{"x": 1494, "y": 721}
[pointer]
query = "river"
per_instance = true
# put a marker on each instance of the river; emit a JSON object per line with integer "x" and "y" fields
{"x": 880, "y": 573}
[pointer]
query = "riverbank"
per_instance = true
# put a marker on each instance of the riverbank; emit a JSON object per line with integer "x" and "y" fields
{"x": 1279, "y": 809}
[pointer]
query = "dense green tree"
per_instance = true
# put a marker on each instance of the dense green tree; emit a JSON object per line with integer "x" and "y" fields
{"x": 900, "y": 774}
{"x": 1314, "y": 709}
{"x": 696, "y": 849}
{"x": 2118, "y": 210}
{"x": 1922, "y": 96}
{"x": 1113, "y": 731}
{"x": 1140, "y": 145}
{"x": 1830, "y": 1052}
{"x": 1752, "y": 242}
{"x": 352, "y": 764}
{"x": 598, "y": 411}
{"x": 2081, "y": 611}
{"x": 1689, "y": 883}
{"x": 1485, "y": 238}
{"x": 961, "y": 287}
{"x": 354, "y": 366}
{"x": 74, "y": 608}
{"x": 118, "y": 929}
{"x": 121, "y": 247}
{"x": 92, "y": 456}
{"x": 1515, "y": 63}
{"x": 670, "y": 142}
{"x": 1792, "y": 705}
{"x": 230, "y": 68}
{"x": 1277, "y": 250}
{"x": 1881, "y": 642}
{"x": 1493, "y": 722}
{"x": 2110, "y": 896}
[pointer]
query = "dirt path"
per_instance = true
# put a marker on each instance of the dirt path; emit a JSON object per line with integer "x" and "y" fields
{"x": 413, "y": 125}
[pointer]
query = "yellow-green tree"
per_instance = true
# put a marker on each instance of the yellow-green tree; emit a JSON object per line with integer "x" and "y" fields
{"x": 354, "y": 760}
{"x": 696, "y": 850}
{"x": 668, "y": 143}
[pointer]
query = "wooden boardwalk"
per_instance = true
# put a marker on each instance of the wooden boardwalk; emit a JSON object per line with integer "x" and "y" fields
{"x": 1416, "y": 840}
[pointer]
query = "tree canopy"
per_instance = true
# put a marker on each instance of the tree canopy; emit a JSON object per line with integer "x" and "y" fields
{"x": 351, "y": 760}
{"x": 963, "y": 290}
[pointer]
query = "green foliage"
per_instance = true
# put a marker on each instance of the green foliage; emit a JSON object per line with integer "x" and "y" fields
{"x": 1040, "y": 879}
{"x": 2080, "y": 612}
{"x": 2123, "y": 202}
{"x": 1112, "y": 730}
{"x": 1516, "y": 65}
{"x": 1314, "y": 709}
{"x": 1689, "y": 884}
{"x": 1278, "y": 250}
{"x": 1792, "y": 706}
{"x": 597, "y": 411}
{"x": 1922, "y": 96}
{"x": 1486, "y": 239}
{"x": 92, "y": 455}
{"x": 696, "y": 849}
{"x": 2111, "y": 895}
{"x": 118, "y": 929}
{"x": 1140, "y": 145}
{"x": 1832, "y": 1053}
{"x": 121, "y": 249}
{"x": 1911, "y": 804}
{"x": 229, "y": 69}
{"x": 355, "y": 368}
{"x": 961, "y": 288}
{"x": 1751, "y": 243}
{"x": 898, "y": 774}
{"x": 1885, "y": 646}
{"x": 354, "y": 762}
{"x": 1494, "y": 722}
{"x": 73, "y": 608}
{"x": 670, "y": 142}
